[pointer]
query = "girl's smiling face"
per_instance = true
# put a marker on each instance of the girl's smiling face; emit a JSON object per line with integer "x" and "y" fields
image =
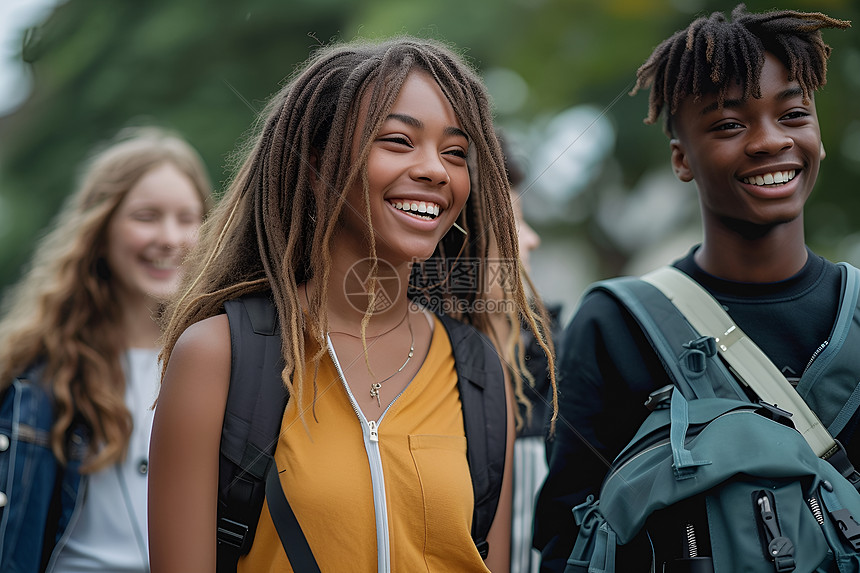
{"x": 151, "y": 231}
{"x": 417, "y": 176}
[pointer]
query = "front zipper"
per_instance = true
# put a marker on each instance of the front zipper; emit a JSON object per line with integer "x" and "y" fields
{"x": 370, "y": 433}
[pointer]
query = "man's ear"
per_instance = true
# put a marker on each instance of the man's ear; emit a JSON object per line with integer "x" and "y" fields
{"x": 679, "y": 161}
{"x": 823, "y": 153}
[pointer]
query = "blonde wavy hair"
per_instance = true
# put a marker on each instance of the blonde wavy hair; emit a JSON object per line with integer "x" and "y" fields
{"x": 63, "y": 315}
{"x": 273, "y": 229}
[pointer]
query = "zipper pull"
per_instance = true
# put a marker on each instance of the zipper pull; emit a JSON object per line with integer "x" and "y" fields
{"x": 779, "y": 548}
{"x": 768, "y": 518}
{"x": 374, "y": 434}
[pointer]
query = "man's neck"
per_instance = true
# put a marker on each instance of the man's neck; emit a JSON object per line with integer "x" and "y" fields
{"x": 774, "y": 256}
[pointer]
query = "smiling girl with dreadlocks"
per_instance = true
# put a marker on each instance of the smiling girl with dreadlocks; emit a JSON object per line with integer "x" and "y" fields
{"x": 378, "y": 162}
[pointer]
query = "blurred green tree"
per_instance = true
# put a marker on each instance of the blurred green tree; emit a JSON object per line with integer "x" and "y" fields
{"x": 204, "y": 68}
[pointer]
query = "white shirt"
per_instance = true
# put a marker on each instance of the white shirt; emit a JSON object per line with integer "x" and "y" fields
{"x": 110, "y": 532}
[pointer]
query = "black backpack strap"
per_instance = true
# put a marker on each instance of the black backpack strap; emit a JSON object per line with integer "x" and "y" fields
{"x": 255, "y": 406}
{"x": 292, "y": 537}
{"x": 482, "y": 393}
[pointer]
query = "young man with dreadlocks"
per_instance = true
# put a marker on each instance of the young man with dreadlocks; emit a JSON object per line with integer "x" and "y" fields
{"x": 739, "y": 108}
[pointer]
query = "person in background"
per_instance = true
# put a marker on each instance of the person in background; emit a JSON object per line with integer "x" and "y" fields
{"x": 535, "y": 403}
{"x": 376, "y": 165}
{"x": 738, "y": 98}
{"x": 78, "y": 358}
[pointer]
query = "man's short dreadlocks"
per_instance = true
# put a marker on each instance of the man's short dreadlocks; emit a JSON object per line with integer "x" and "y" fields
{"x": 714, "y": 54}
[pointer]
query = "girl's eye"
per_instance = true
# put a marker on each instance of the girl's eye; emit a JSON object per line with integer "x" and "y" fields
{"x": 190, "y": 219}
{"x": 144, "y": 216}
{"x": 461, "y": 153}
{"x": 399, "y": 140}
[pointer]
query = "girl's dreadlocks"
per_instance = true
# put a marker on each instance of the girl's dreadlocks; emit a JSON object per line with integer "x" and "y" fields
{"x": 713, "y": 54}
{"x": 273, "y": 229}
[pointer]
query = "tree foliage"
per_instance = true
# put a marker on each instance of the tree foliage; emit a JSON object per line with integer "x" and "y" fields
{"x": 204, "y": 68}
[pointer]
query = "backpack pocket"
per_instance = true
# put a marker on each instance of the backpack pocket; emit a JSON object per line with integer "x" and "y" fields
{"x": 775, "y": 513}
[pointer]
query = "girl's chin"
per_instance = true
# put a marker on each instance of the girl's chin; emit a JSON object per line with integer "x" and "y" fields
{"x": 162, "y": 293}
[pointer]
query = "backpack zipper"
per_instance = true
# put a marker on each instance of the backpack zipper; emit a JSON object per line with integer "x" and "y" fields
{"x": 815, "y": 354}
{"x": 816, "y": 509}
{"x": 621, "y": 462}
{"x": 692, "y": 545}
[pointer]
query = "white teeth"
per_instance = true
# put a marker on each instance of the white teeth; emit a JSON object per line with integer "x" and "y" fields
{"x": 775, "y": 178}
{"x": 163, "y": 264}
{"x": 416, "y": 208}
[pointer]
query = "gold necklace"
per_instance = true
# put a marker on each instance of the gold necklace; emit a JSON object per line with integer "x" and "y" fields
{"x": 376, "y": 386}
{"x": 375, "y": 336}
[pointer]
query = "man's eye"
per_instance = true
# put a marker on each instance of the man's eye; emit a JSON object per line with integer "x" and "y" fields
{"x": 729, "y": 125}
{"x": 795, "y": 115}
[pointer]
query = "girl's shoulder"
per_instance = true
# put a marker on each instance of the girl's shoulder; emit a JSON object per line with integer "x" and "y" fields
{"x": 202, "y": 353}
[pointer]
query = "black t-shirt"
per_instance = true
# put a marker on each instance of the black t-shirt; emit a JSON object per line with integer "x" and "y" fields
{"x": 607, "y": 369}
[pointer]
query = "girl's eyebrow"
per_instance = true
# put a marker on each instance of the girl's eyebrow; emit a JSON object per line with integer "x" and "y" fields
{"x": 417, "y": 123}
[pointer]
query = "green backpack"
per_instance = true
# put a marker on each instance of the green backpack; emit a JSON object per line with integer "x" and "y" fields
{"x": 771, "y": 503}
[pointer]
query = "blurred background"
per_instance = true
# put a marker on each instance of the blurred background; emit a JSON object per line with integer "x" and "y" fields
{"x": 598, "y": 188}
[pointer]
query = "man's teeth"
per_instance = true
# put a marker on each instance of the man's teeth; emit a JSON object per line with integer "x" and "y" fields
{"x": 775, "y": 178}
{"x": 419, "y": 208}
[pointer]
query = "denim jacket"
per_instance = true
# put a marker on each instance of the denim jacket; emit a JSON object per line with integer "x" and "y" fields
{"x": 38, "y": 496}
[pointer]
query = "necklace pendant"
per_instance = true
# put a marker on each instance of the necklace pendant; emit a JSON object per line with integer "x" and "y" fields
{"x": 374, "y": 392}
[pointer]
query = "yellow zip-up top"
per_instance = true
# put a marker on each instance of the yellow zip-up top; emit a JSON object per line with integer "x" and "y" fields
{"x": 389, "y": 496}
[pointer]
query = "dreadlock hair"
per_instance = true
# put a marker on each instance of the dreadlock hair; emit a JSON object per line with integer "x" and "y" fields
{"x": 63, "y": 315}
{"x": 273, "y": 229}
{"x": 712, "y": 55}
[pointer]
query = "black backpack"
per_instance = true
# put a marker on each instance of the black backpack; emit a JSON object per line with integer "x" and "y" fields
{"x": 257, "y": 398}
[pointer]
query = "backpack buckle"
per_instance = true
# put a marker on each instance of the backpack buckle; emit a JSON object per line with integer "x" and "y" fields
{"x": 839, "y": 460}
{"x": 660, "y": 397}
{"x": 775, "y": 413}
{"x": 231, "y": 532}
{"x": 697, "y": 353}
{"x": 846, "y": 525}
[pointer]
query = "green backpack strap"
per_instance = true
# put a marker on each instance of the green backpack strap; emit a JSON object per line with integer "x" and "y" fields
{"x": 688, "y": 357}
{"x": 831, "y": 384}
{"x": 751, "y": 366}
